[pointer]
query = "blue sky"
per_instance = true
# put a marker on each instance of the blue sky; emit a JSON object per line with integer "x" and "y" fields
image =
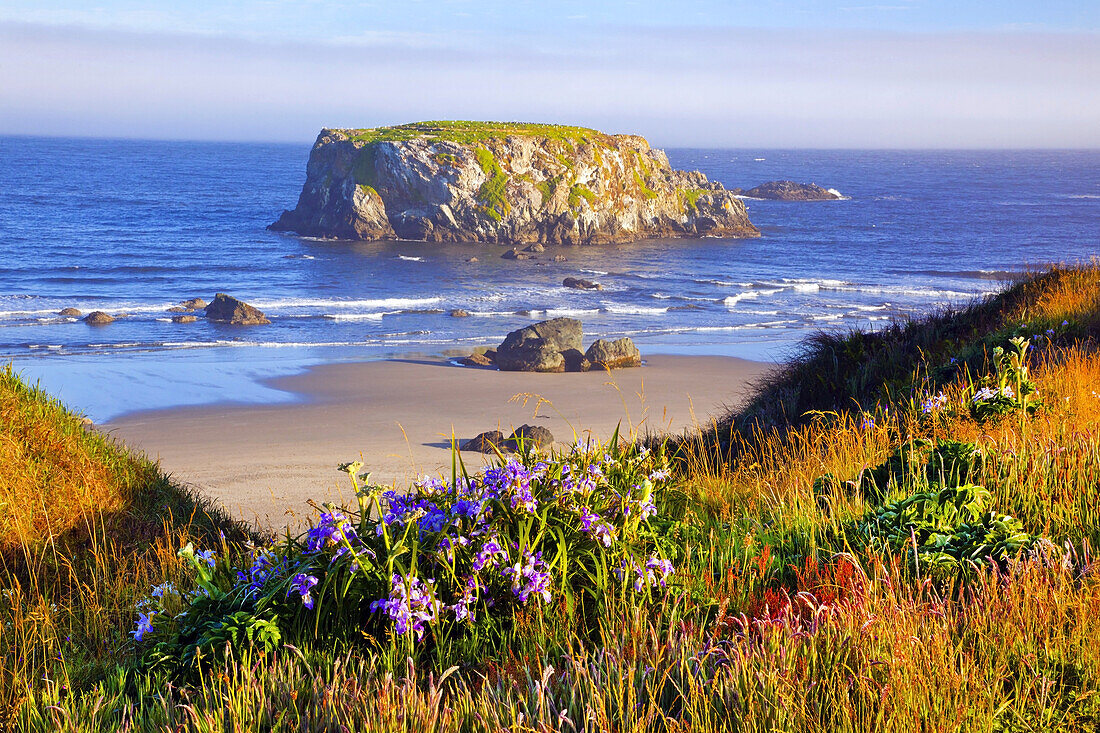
{"x": 788, "y": 73}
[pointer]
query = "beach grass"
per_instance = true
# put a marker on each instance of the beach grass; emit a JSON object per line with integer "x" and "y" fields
{"x": 881, "y": 539}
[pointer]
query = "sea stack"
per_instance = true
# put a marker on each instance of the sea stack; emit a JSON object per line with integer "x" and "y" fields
{"x": 505, "y": 183}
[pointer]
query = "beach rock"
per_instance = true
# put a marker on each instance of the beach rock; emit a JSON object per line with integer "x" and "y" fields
{"x": 575, "y": 361}
{"x": 179, "y": 309}
{"x": 184, "y": 319}
{"x": 515, "y": 254}
{"x": 227, "y": 309}
{"x": 539, "y": 348}
{"x": 605, "y": 354}
{"x": 472, "y": 259}
{"x": 476, "y": 360}
{"x": 531, "y": 355}
{"x": 791, "y": 191}
{"x": 87, "y": 422}
{"x": 536, "y": 248}
{"x": 505, "y": 183}
{"x": 194, "y": 303}
{"x": 579, "y": 283}
{"x": 531, "y": 435}
{"x": 70, "y": 312}
{"x": 459, "y": 313}
{"x": 98, "y": 318}
{"x": 559, "y": 258}
{"x": 485, "y": 442}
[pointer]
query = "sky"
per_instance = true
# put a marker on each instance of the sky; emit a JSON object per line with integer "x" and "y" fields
{"x": 768, "y": 73}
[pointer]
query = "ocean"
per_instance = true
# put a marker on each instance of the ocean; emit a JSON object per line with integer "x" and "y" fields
{"x": 135, "y": 227}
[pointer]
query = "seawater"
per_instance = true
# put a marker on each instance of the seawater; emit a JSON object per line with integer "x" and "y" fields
{"x": 135, "y": 227}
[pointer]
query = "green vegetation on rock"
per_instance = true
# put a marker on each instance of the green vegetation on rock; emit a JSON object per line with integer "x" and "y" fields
{"x": 691, "y": 198}
{"x": 493, "y": 194}
{"x": 579, "y": 191}
{"x": 468, "y": 132}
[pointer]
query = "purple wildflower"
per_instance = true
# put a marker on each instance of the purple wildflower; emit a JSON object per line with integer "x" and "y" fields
{"x": 144, "y": 626}
{"x": 410, "y": 605}
{"x": 528, "y": 578}
{"x": 302, "y": 585}
{"x": 491, "y": 552}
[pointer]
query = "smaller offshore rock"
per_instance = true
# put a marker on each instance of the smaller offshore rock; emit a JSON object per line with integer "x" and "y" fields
{"x": 459, "y": 313}
{"x": 194, "y": 303}
{"x": 70, "y": 312}
{"x": 184, "y": 319}
{"x": 98, "y": 318}
{"x": 791, "y": 191}
{"x": 579, "y": 283}
{"x": 605, "y": 354}
{"x": 227, "y": 309}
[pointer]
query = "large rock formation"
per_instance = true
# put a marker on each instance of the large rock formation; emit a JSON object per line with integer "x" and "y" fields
{"x": 790, "y": 191}
{"x": 505, "y": 183}
{"x": 227, "y": 309}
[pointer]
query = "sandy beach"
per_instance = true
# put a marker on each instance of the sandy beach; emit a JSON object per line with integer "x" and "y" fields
{"x": 265, "y": 462}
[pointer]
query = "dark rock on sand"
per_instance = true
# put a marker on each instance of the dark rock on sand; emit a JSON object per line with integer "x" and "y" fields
{"x": 531, "y": 435}
{"x": 476, "y": 360}
{"x": 575, "y": 361}
{"x": 605, "y": 354}
{"x": 98, "y": 318}
{"x": 579, "y": 283}
{"x": 791, "y": 191}
{"x": 539, "y": 348}
{"x": 71, "y": 312}
{"x": 227, "y": 309}
{"x": 485, "y": 442}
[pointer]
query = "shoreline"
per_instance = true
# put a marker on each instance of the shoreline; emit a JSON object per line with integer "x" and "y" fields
{"x": 264, "y": 462}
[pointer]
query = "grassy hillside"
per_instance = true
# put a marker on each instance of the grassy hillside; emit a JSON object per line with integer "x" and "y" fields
{"x": 897, "y": 533}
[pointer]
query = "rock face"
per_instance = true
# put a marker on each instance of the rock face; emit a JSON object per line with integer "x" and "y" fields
{"x": 619, "y": 354}
{"x": 790, "y": 191}
{"x": 227, "y": 309}
{"x": 506, "y": 183}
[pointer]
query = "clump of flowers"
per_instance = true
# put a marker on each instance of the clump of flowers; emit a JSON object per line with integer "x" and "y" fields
{"x": 1009, "y": 389}
{"x": 471, "y": 550}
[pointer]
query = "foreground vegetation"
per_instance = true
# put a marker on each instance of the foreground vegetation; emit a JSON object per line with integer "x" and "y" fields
{"x": 897, "y": 533}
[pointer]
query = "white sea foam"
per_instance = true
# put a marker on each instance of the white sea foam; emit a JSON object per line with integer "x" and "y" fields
{"x": 338, "y": 317}
{"x": 337, "y": 304}
{"x": 410, "y": 259}
{"x": 633, "y": 310}
{"x": 164, "y": 320}
{"x": 732, "y": 300}
{"x": 594, "y": 272}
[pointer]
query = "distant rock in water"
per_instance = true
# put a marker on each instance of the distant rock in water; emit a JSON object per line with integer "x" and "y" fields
{"x": 227, "y": 309}
{"x": 507, "y": 183}
{"x": 98, "y": 318}
{"x": 70, "y": 312}
{"x": 790, "y": 191}
{"x": 578, "y": 283}
{"x": 184, "y": 319}
{"x": 194, "y": 303}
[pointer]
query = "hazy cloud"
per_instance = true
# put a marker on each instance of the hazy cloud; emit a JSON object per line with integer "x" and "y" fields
{"x": 728, "y": 87}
